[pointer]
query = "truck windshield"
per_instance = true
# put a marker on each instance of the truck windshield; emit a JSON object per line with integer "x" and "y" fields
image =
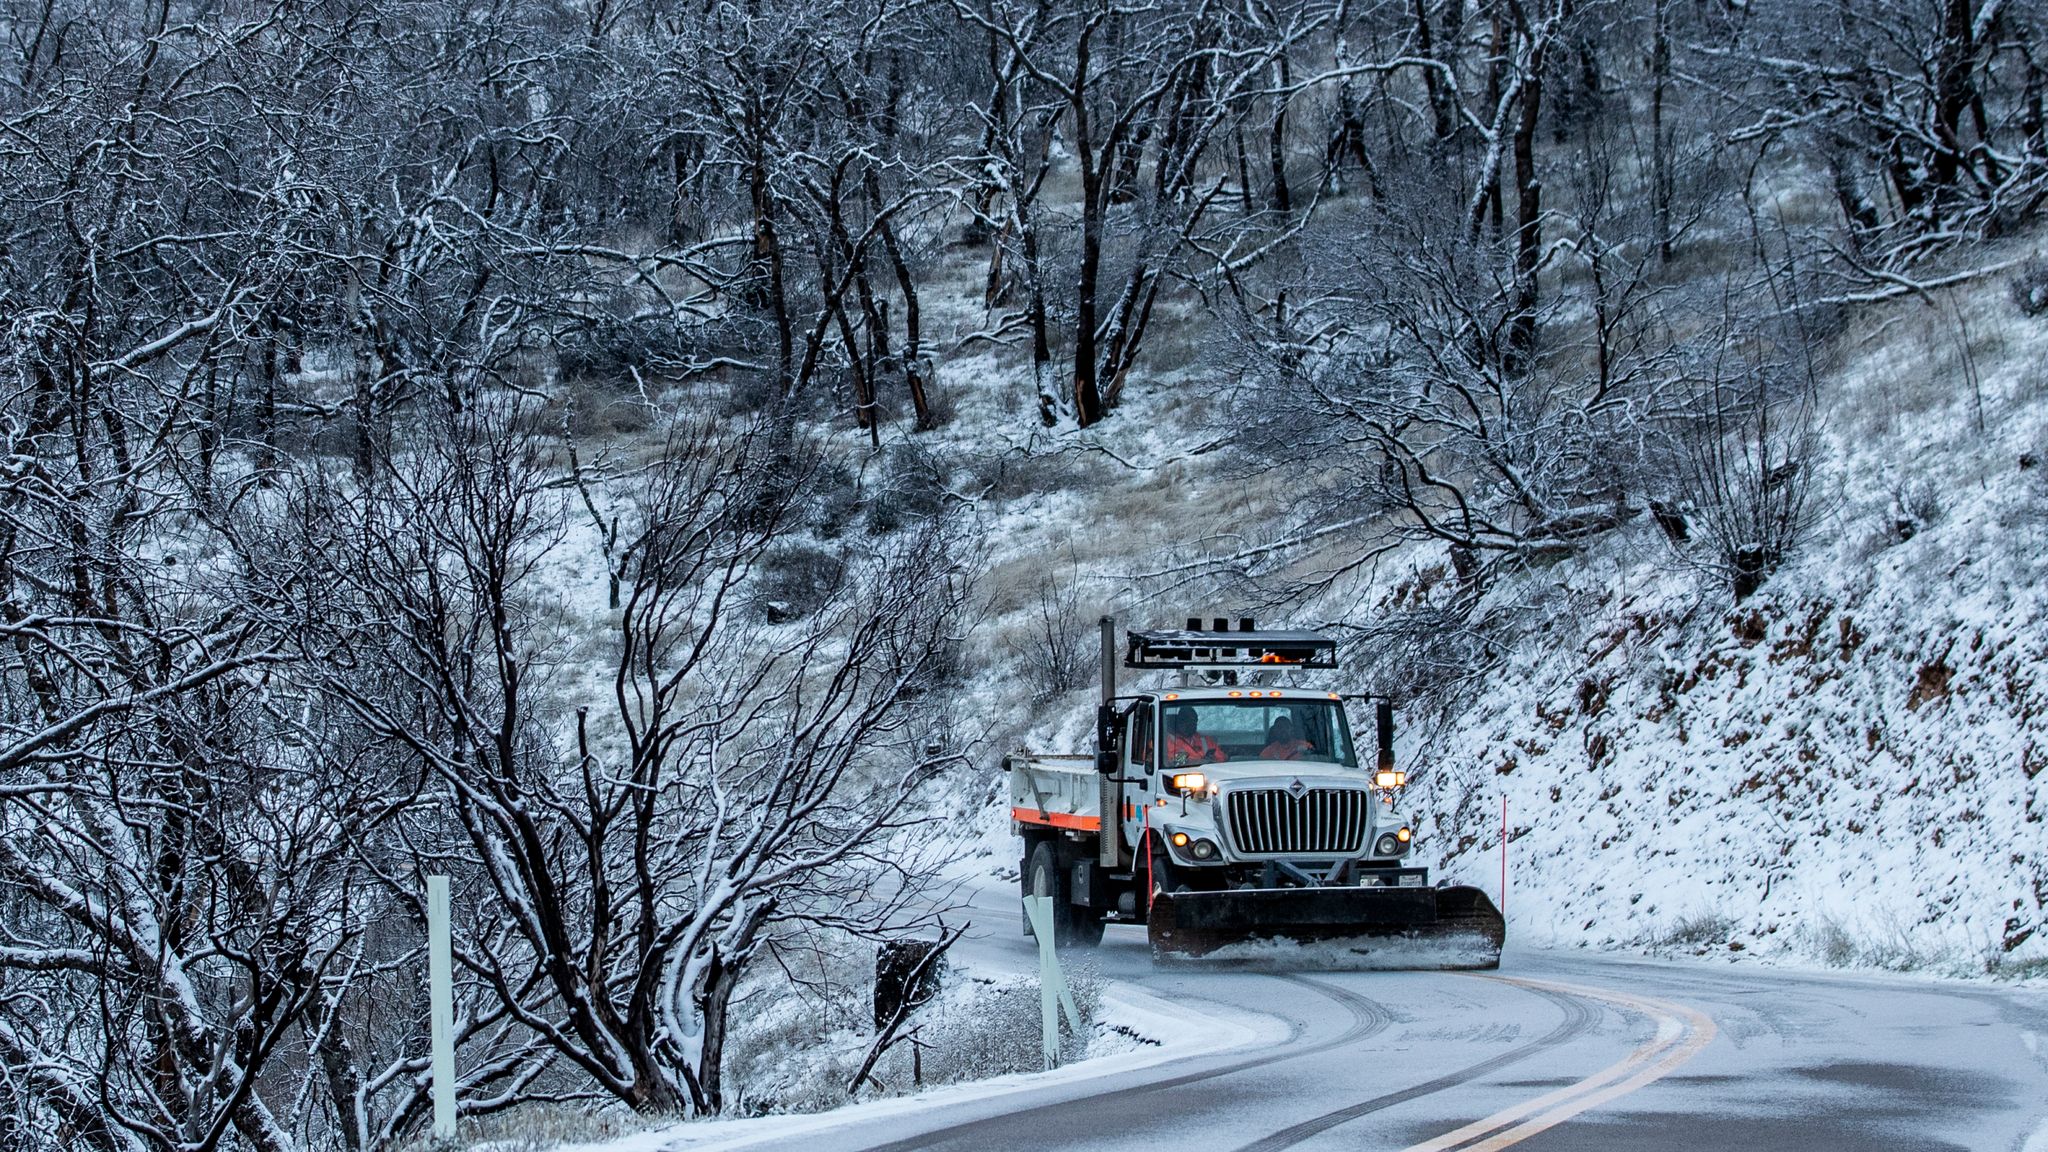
{"x": 1309, "y": 730}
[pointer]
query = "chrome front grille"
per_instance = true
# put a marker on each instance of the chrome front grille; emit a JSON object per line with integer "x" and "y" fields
{"x": 1275, "y": 822}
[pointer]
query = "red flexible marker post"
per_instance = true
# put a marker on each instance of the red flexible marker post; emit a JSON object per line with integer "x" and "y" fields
{"x": 1145, "y": 846}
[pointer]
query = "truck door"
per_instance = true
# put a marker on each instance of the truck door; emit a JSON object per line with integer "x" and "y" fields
{"x": 1140, "y": 762}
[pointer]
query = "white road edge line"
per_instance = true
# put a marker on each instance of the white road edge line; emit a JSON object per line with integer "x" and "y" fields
{"x": 1681, "y": 1033}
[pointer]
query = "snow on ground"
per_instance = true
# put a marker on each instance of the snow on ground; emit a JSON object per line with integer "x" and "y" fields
{"x": 1170, "y": 1032}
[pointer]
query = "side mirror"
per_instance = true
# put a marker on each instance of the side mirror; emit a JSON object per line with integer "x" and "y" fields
{"x": 1383, "y": 721}
{"x": 1106, "y": 743}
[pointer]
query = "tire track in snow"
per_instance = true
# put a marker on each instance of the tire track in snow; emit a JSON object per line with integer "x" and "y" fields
{"x": 1580, "y": 1014}
{"x": 1368, "y": 1018}
{"x": 1681, "y": 1032}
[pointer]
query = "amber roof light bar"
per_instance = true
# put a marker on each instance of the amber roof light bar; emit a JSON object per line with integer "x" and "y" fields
{"x": 1217, "y": 647}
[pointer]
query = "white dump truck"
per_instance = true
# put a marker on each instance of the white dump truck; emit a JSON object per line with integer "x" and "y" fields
{"x": 1233, "y": 814}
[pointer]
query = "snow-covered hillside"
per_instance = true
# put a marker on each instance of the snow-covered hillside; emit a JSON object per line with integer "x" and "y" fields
{"x": 1846, "y": 767}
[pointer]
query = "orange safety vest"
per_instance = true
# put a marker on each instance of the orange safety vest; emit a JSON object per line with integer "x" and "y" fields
{"x": 1285, "y": 749}
{"x": 1196, "y": 749}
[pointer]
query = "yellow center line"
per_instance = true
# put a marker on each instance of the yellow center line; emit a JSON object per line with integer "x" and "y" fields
{"x": 1681, "y": 1033}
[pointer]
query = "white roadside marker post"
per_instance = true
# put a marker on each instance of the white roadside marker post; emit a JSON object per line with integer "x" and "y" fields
{"x": 441, "y": 1008}
{"x": 1052, "y": 983}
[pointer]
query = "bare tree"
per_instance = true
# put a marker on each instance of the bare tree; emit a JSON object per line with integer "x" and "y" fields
{"x": 1744, "y": 457}
{"x": 741, "y": 776}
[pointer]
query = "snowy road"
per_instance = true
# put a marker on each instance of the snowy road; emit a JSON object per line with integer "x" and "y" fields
{"x": 1557, "y": 1051}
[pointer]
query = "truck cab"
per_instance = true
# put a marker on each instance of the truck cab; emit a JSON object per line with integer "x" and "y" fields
{"x": 1257, "y": 788}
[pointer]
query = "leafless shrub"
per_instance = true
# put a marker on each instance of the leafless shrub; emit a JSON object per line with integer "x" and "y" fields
{"x": 1745, "y": 456}
{"x": 911, "y": 488}
{"x": 1915, "y": 504}
{"x": 1698, "y": 930}
{"x": 1057, "y": 654}
{"x": 1830, "y": 941}
{"x": 796, "y": 580}
{"x": 2029, "y": 287}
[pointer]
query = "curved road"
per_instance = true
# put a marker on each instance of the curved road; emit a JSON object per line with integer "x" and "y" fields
{"x": 1555, "y": 1052}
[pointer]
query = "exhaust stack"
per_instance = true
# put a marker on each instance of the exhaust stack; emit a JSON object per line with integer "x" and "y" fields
{"x": 1108, "y": 659}
{"x": 1109, "y": 844}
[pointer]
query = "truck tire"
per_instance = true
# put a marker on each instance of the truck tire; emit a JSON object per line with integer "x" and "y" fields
{"x": 1043, "y": 876}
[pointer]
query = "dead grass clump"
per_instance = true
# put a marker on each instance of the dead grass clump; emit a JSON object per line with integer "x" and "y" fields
{"x": 1698, "y": 930}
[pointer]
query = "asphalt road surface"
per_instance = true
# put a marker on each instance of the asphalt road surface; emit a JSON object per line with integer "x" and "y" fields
{"x": 1557, "y": 1051}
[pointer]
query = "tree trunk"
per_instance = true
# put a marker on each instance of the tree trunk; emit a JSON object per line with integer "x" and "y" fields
{"x": 1954, "y": 91}
{"x": 1244, "y": 173}
{"x": 714, "y": 997}
{"x": 266, "y": 407}
{"x": 768, "y": 258}
{"x": 1277, "y": 142}
{"x": 342, "y": 1070}
{"x": 1660, "y": 138}
{"x": 1087, "y": 395}
{"x": 1528, "y": 211}
{"x": 1050, "y": 404}
{"x": 1496, "y": 68}
{"x": 913, "y": 346}
{"x": 1857, "y": 209}
{"x": 1445, "y": 122}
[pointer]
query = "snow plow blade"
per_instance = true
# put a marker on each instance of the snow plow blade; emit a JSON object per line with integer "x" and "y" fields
{"x": 1330, "y": 928}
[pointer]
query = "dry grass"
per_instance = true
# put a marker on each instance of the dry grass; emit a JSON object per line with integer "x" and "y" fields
{"x": 540, "y": 1126}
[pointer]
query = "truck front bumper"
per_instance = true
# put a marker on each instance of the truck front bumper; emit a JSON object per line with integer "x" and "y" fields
{"x": 1387, "y": 926}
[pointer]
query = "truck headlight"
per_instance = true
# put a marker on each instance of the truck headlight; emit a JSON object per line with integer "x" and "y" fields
{"x": 1204, "y": 850}
{"x": 1388, "y": 844}
{"x": 1188, "y": 783}
{"x": 1389, "y": 780}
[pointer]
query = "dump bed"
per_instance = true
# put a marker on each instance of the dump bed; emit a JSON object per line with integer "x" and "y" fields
{"x": 1054, "y": 791}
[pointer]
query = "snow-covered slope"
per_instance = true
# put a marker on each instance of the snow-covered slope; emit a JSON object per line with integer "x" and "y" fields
{"x": 1847, "y": 767}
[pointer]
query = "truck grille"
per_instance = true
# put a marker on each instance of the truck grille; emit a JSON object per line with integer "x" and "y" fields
{"x": 1273, "y": 822}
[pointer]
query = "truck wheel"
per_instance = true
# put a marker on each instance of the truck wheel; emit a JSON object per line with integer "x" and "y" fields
{"x": 1024, "y": 886}
{"x": 1043, "y": 877}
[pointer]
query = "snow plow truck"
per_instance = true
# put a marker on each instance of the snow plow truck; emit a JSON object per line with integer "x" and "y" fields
{"x": 1234, "y": 816}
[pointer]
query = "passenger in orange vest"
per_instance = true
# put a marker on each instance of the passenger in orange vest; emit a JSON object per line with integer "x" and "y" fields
{"x": 1285, "y": 744}
{"x": 1184, "y": 745}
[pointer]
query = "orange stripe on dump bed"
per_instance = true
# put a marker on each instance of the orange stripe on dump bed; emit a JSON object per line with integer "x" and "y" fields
{"x": 1058, "y": 819}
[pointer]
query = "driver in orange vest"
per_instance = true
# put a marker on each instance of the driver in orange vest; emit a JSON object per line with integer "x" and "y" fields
{"x": 1286, "y": 745}
{"x": 1184, "y": 745}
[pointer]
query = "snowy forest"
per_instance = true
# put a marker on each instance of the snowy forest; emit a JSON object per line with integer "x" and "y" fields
{"x": 646, "y": 461}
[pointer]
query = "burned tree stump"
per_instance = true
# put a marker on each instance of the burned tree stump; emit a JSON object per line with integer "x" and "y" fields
{"x": 906, "y": 976}
{"x": 1752, "y": 565}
